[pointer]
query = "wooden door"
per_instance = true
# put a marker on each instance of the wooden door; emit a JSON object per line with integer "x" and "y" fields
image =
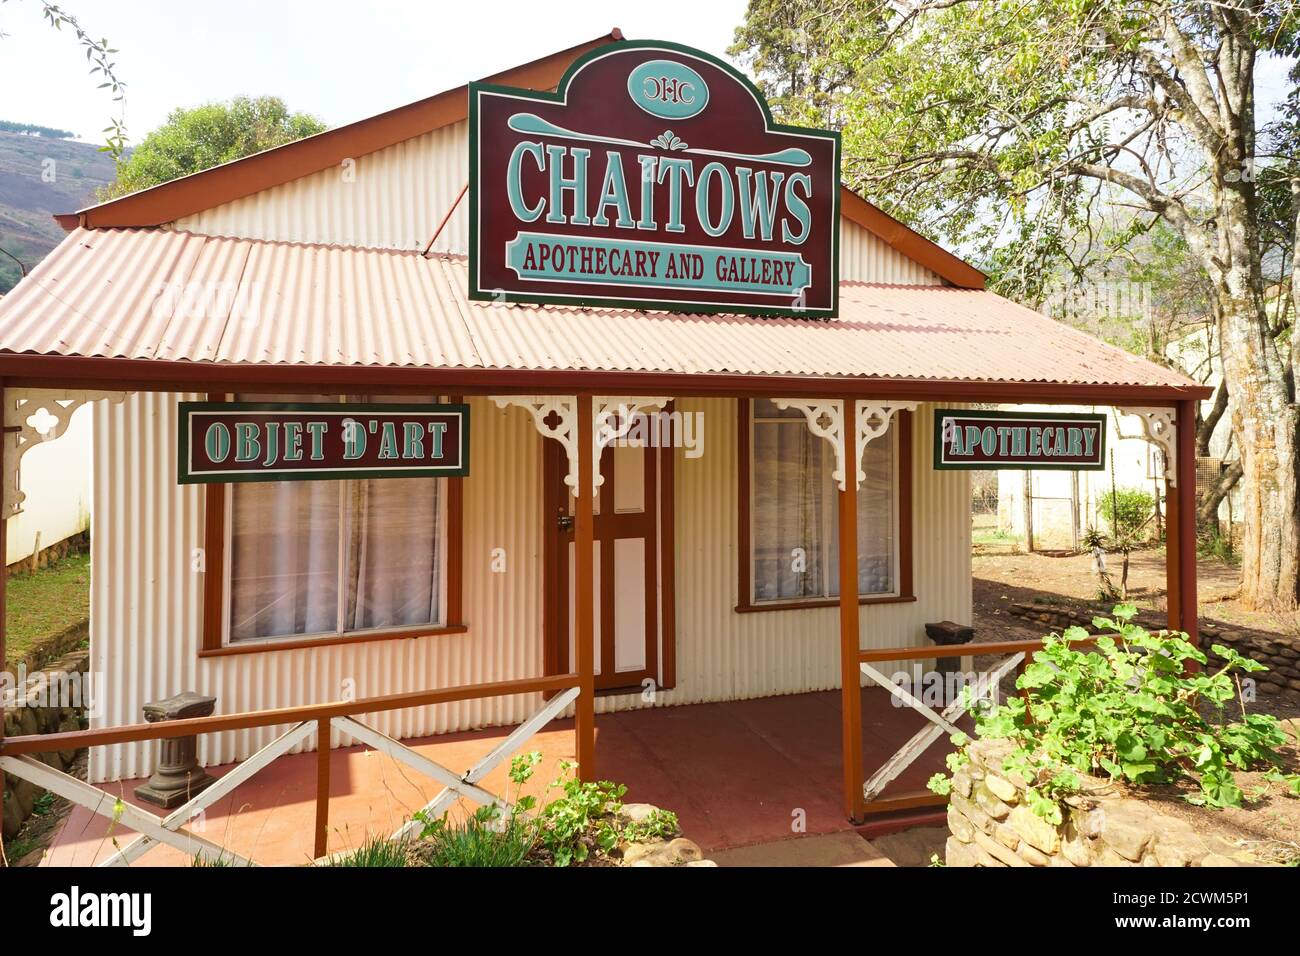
{"x": 626, "y": 561}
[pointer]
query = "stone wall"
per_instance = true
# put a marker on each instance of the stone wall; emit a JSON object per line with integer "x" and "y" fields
{"x": 990, "y": 825}
{"x": 1280, "y": 653}
{"x": 76, "y": 544}
{"x": 20, "y": 795}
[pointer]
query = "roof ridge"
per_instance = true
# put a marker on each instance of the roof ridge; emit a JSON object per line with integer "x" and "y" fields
{"x": 189, "y": 194}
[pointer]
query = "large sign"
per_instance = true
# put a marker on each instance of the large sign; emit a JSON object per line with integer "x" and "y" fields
{"x": 971, "y": 439}
{"x": 297, "y": 441}
{"x": 654, "y": 177}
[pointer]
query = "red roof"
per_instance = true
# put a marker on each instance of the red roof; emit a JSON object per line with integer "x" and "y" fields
{"x": 196, "y": 192}
{"x": 163, "y": 296}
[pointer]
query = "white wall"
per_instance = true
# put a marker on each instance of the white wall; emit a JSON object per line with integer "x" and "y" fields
{"x": 147, "y": 601}
{"x": 55, "y": 477}
{"x": 145, "y": 627}
{"x": 395, "y": 198}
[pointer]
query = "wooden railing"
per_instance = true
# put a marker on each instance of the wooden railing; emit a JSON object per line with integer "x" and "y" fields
{"x": 16, "y": 758}
{"x": 938, "y": 722}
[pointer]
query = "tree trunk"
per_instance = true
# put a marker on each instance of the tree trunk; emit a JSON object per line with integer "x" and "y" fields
{"x": 1265, "y": 421}
{"x": 1207, "y": 510}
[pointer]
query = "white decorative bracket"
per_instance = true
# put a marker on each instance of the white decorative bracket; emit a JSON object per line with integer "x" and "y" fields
{"x": 606, "y": 429}
{"x": 873, "y": 420}
{"x": 564, "y": 408}
{"x": 825, "y": 419}
{"x": 33, "y": 416}
{"x": 1160, "y": 428}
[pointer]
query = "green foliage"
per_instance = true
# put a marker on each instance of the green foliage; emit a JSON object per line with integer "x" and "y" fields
{"x": 488, "y": 837}
{"x": 377, "y": 852}
{"x": 196, "y": 139}
{"x": 1212, "y": 543}
{"x": 99, "y": 58}
{"x": 31, "y": 129}
{"x": 1132, "y": 712}
{"x": 583, "y": 820}
{"x": 1025, "y": 133}
{"x": 1126, "y": 511}
{"x": 658, "y": 825}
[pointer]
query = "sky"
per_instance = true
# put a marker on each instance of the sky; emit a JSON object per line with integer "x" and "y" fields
{"x": 341, "y": 60}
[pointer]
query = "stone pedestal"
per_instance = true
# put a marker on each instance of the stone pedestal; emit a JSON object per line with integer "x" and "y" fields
{"x": 945, "y": 634}
{"x": 178, "y": 777}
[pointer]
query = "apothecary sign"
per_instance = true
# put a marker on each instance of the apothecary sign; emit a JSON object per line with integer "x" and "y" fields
{"x": 296, "y": 441}
{"x": 973, "y": 439}
{"x": 654, "y": 177}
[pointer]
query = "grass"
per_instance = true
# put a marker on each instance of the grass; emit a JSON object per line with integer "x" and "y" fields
{"x": 479, "y": 843}
{"x": 45, "y": 603}
{"x": 377, "y": 852}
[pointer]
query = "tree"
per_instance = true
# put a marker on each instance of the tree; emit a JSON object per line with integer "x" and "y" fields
{"x": 1003, "y": 126}
{"x": 196, "y": 139}
{"x": 99, "y": 55}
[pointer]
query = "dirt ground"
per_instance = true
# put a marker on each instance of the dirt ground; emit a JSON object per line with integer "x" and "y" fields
{"x": 1002, "y": 579}
{"x": 1271, "y": 822}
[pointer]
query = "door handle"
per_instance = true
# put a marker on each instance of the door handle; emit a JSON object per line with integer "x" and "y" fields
{"x": 564, "y": 522}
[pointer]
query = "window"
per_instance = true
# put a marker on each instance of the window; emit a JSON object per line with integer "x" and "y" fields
{"x": 332, "y": 560}
{"x": 790, "y": 513}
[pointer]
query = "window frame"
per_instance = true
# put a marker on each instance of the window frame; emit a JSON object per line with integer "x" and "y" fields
{"x": 903, "y": 517}
{"x": 217, "y": 530}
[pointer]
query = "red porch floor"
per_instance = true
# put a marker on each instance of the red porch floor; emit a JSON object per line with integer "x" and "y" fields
{"x": 736, "y": 773}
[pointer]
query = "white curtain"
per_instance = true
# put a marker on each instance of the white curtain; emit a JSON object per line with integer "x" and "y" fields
{"x": 876, "y": 517}
{"x": 324, "y": 557}
{"x": 393, "y": 569}
{"x": 795, "y": 505}
{"x": 787, "y": 507}
{"x": 284, "y": 559}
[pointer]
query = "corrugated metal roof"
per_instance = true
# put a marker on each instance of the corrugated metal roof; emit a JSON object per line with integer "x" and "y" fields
{"x": 171, "y": 295}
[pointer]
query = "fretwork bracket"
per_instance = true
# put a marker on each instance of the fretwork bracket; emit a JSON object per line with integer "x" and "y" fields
{"x": 33, "y": 416}
{"x": 1160, "y": 428}
{"x": 606, "y": 429}
{"x": 825, "y": 419}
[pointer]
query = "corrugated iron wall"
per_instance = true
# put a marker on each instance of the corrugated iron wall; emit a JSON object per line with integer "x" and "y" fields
{"x": 396, "y": 197}
{"x": 866, "y": 258}
{"x": 146, "y": 610}
{"x": 147, "y": 599}
{"x": 393, "y": 198}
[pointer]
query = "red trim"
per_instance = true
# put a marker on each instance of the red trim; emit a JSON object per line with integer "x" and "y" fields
{"x": 745, "y": 603}
{"x": 356, "y": 637}
{"x": 56, "y": 371}
{"x": 215, "y": 596}
{"x": 822, "y": 602}
{"x": 909, "y": 242}
{"x": 668, "y": 567}
{"x": 242, "y": 177}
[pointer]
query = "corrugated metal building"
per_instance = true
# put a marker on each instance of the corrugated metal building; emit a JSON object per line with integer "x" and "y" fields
{"x": 321, "y": 268}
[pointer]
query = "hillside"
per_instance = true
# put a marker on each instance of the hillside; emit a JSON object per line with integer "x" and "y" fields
{"x": 28, "y": 201}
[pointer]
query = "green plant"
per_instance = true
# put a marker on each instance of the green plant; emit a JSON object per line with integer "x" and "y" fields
{"x": 377, "y": 852}
{"x": 1133, "y": 712}
{"x": 584, "y": 819}
{"x": 1214, "y": 544}
{"x": 489, "y": 836}
{"x": 1095, "y": 542}
{"x": 1127, "y": 510}
{"x": 656, "y": 825}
